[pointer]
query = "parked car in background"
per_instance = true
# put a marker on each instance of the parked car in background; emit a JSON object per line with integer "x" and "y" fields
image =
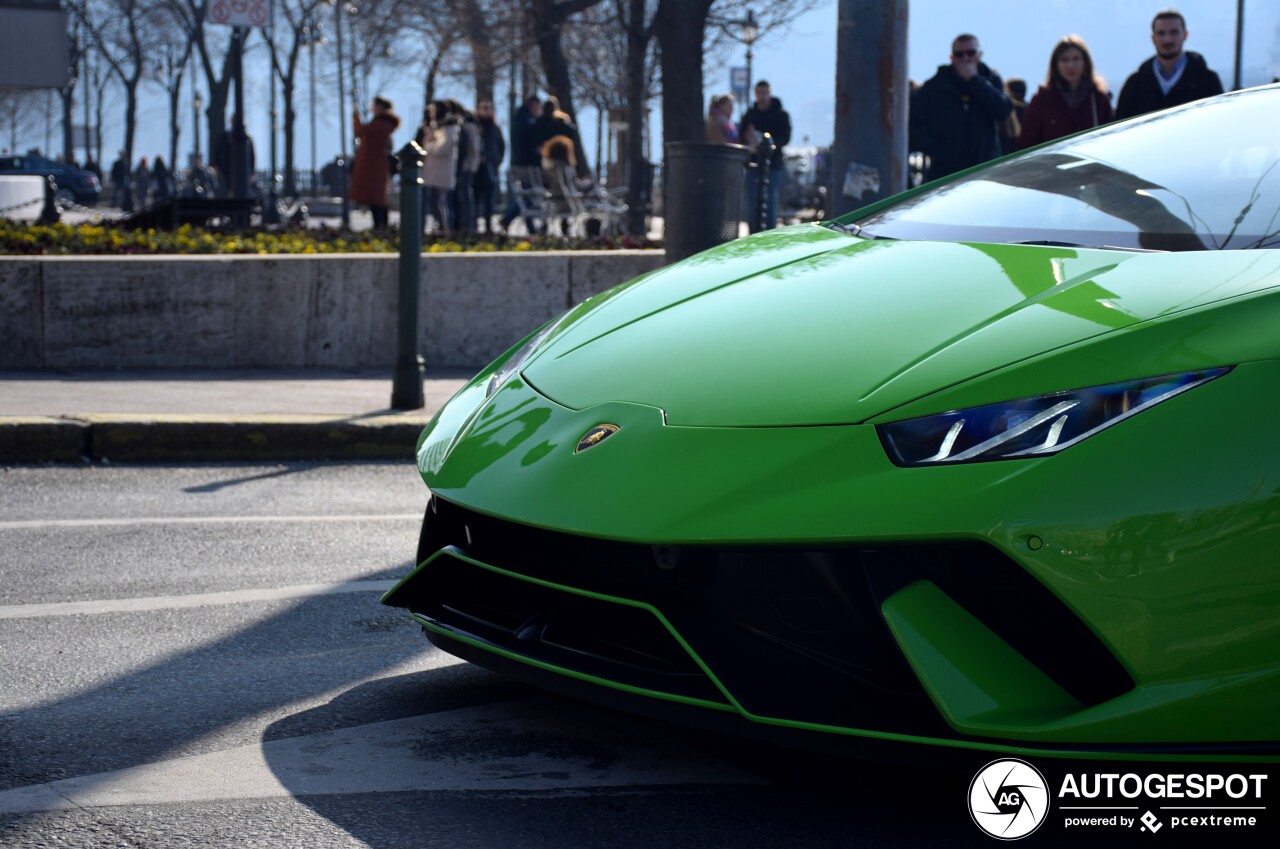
{"x": 73, "y": 184}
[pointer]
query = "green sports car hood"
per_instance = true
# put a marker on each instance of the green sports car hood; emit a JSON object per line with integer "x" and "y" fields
{"x": 808, "y": 326}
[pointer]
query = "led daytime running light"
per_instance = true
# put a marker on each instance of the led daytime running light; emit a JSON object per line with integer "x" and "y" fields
{"x": 1030, "y": 427}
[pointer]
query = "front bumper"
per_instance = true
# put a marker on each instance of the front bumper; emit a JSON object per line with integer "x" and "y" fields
{"x": 1002, "y": 606}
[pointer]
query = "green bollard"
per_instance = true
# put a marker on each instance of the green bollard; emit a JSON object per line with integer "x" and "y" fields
{"x": 406, "y": 385}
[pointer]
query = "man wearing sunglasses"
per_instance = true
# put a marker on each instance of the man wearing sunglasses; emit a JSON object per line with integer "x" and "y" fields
{"x": 955, "y": 115}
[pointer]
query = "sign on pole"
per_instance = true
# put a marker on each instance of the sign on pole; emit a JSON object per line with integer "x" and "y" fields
{"x": 82, "y": 136}
{"x": 738, "y": 83}
{"x": 241, "y": 13}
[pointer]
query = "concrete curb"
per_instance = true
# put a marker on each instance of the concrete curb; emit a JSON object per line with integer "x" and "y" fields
{"x": 42, "y": 438}
{"x": 124, "y": 437}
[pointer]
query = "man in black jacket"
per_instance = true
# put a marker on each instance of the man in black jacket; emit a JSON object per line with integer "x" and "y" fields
{"x": 526, "y": 161}
{"x": 767, "y": 116}
{"x": 1170, "y": 78}
{"x": 955, "y": 116}
{"x": 119, "y": 180}
{"x": 493, "y": 148}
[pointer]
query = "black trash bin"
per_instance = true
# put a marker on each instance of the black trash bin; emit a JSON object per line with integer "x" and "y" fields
{"x": 702, "y": 195}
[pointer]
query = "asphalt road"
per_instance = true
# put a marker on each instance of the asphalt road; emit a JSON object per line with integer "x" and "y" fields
{"x": 196, "y": 657}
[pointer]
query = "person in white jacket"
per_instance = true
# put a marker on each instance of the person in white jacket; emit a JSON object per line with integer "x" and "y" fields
{"x": 438, "y": 135}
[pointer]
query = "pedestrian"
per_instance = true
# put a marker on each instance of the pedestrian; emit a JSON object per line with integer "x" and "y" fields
{"x": 202, "y": 182}
{"x": 556, "y": 122}
{"x": 119, "y": 179}
{"x": 372, "y": 169}
{"x": 469, "y": 157}
{"x": 220, "y": 161}
{"x": 1072, "y": 97}
{"x": 1011, "y": 127}
{"x": 720, "y": 126}
{"x": 141, "y": 183}
{"x": 559, "y": 163}
{"x": 438, "y": 136}
{"x": 1170, "y": 78}
{"x": 91, "y": 165}
{"x": 161, "y": 180}
{"x": 526, "y": 159}
{"x": 493, "y": 148}
{"x": 766, "y": 115}
{"x": 955, "y": 116}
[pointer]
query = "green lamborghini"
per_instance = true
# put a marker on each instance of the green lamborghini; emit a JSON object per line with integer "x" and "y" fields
{"x": 987, "y": 465}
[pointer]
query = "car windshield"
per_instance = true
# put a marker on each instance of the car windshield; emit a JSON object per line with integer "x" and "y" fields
{"x": 1203, "y": 177}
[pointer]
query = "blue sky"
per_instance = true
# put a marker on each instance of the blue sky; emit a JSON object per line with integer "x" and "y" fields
{"x": 1016, "y": 36}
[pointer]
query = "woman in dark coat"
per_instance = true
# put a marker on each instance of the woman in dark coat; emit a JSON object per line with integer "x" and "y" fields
{"x": 1072, "y": 98}
{"x": 372, "y": 170}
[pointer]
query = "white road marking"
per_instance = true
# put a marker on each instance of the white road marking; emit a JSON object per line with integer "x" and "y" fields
{"x": 177, "y": 602}
{"x": 30, "y": 524}
{"x": 535, "y": 747}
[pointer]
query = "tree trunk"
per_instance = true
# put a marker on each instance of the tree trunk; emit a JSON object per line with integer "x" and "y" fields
{"x": 555, "y": 67}
{"x": 290, "y": 118}
{"x": 433, "y": 72}
{"x": 680, "y": 26}
{"x": 175, "y": 127}
{"x": 636, "y": 91}
{"x": 871, "y": 100}
{"x": 130, "y": 125}
{"x": 100, "y": 90}
{"x": 547, "y": 18}
{"x": 476, "y": 28}
{"x": 68, "y": 104}
{"x": 219, "y": 92}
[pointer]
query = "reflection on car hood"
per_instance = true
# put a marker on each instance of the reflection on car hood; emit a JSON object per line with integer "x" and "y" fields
{"x": 805, "y": 326}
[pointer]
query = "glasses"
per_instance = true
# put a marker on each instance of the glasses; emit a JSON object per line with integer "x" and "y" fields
{"x": 961, "y": 54}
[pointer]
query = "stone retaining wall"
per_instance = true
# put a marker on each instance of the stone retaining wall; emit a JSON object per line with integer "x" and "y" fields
{"x": 336, "y": 311}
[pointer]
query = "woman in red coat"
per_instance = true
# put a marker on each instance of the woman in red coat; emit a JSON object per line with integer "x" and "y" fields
{"x": 1071, "y": 99}
{"x": 372, "y": 170}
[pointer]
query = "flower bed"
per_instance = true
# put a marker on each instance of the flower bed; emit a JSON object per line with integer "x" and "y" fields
{"x": 88, "y": 239}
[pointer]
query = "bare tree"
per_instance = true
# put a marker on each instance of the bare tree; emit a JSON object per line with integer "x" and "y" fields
{"x": 476, "y": 24}
{"x": 429, "y": 34}
{"x": 547, "y": 19}
{"x": 637, "y": 22}
{"x": 213, "y": 48}
{"x": 19, "y": 117}
{"x": 373, "y": 34}
{"x": 680, "y": 28}
{"x": 100, "y": 82}
{"x": 173, "y": 43}
{"x": 292, "y": 29}
{"x": 77, "y": 41}
{"x": 122, "y": 33}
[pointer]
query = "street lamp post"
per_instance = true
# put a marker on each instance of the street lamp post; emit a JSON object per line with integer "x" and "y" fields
{"x": 271, "y": 208}
{"x": 342, "y": 106}
{"x": 750, "y": 32}
{"x": 313, "y": 38}
{"x": 239, "y": 136}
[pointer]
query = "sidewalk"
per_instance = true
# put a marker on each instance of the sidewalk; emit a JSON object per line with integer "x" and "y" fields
{"x": 243, "y": 414}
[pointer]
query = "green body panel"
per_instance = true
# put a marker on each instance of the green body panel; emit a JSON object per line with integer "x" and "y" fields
{"x": 978, "y": 681}
{"x": 834, "y": 333}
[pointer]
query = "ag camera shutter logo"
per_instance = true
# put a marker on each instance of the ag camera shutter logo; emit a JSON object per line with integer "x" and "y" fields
{"x": 1008, "y": 799}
